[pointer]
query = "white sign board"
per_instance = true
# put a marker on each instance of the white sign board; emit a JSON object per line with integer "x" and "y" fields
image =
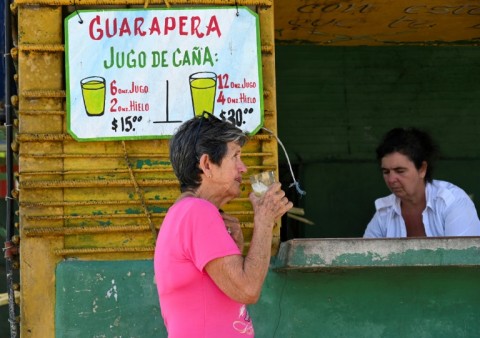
{"x": 139, "y": 73}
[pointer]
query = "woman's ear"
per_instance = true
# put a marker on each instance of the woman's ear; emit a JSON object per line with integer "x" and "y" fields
{"x": 205, "y": 164}
{"x": 423, "y": 169}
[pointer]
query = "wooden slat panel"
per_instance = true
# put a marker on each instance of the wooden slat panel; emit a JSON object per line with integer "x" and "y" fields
{"x": 98, "y": 200}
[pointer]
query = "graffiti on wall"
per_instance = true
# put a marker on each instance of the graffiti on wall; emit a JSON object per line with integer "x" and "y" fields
{"x": 377, "y": 22}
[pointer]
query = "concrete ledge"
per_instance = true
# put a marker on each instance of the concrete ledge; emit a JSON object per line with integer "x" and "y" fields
{"x": 321, "y": 253}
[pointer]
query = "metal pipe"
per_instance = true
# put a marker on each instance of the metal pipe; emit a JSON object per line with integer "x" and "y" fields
{"x": 10, "y": 247}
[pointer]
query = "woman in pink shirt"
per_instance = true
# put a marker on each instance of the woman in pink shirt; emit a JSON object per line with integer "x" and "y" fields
{"x": 204, "y": 282}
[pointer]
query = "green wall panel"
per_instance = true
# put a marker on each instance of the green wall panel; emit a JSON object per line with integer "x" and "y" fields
{"x": 341, "y": 201}
{"x": 336, "y": 102}
{"x": 371, "y": 303}
{"x": 107, "y": 299}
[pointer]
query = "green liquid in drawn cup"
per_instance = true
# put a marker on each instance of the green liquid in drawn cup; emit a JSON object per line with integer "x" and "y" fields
{"x": 93, "y": 91}
{"x": 203, "y": 88}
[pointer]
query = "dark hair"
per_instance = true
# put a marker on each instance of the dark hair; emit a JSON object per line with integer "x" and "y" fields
{"x": 200, "y": 135}
{"x": 416, "y": 144}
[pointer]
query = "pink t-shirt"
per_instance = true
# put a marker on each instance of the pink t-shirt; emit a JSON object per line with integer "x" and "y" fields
{"x": 192, "y": 234}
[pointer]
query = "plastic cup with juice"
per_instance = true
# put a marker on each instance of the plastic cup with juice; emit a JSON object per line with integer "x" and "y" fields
{"x": 260, "y": 182}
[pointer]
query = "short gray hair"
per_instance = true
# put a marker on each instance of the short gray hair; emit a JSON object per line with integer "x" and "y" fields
{"x": 195, "y": 137}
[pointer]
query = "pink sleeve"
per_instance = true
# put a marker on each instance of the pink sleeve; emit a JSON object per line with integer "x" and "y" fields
{"x": 208, "y": 238}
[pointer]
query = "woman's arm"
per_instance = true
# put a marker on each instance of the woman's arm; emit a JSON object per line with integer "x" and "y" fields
{"x": 461, "y": 218}
{"x": 241, "y": 278}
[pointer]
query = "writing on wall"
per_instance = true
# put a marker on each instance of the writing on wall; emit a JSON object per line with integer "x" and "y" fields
{"x": 377, "y": 22}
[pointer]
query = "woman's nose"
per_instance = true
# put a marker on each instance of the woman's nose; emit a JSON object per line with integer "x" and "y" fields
{"x": 390, "y": 177}
{"x": 242, "y": 167}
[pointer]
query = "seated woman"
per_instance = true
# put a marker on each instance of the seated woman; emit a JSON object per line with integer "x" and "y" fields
{"x": 418, "y": 206}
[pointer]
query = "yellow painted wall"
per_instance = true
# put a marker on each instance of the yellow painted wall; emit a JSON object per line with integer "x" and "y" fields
{"x": 97, "y": 200}
{"x": 377, "y": 22}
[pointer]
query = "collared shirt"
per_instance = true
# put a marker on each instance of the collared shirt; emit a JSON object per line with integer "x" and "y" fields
{"x": 449, "y": 212}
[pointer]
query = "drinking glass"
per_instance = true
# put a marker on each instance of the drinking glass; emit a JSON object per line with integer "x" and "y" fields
{"x": 260, "y": 182}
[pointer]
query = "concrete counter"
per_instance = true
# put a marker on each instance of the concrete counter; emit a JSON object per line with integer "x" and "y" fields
{"x": 372, "y": 288}
{"x": 315, "y": 253}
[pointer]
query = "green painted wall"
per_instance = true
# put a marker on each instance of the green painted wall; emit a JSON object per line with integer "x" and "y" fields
{"x": 335, "y": 103}
{"x": 107, "y": 299}
{"x": 370, "y": 303}
{"x": 118, "y": 299}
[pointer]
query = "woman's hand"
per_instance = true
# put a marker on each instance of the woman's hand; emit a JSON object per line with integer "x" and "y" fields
{"x": 233, "y": 227}
{"x": 270, "y": 206}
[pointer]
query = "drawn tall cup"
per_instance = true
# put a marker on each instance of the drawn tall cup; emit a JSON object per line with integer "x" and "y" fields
{"x": 93, "y": 92}
{"x": 203, "y": 87}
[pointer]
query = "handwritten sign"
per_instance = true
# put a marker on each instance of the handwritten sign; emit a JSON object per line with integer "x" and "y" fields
{"x": 378, "y": 22}
{"x": 139, "y": 73}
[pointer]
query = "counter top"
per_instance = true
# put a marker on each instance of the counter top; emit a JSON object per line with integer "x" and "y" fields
{"x": 328, "y": 253}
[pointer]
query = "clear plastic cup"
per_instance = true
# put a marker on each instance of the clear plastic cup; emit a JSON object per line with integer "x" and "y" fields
{"x": 260, "y": 182}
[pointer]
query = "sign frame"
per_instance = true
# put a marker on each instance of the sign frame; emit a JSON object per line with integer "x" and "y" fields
{"x": 128, "y": 92}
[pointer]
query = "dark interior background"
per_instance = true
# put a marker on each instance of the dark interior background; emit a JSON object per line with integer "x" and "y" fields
{"x": 335, "y": 103}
